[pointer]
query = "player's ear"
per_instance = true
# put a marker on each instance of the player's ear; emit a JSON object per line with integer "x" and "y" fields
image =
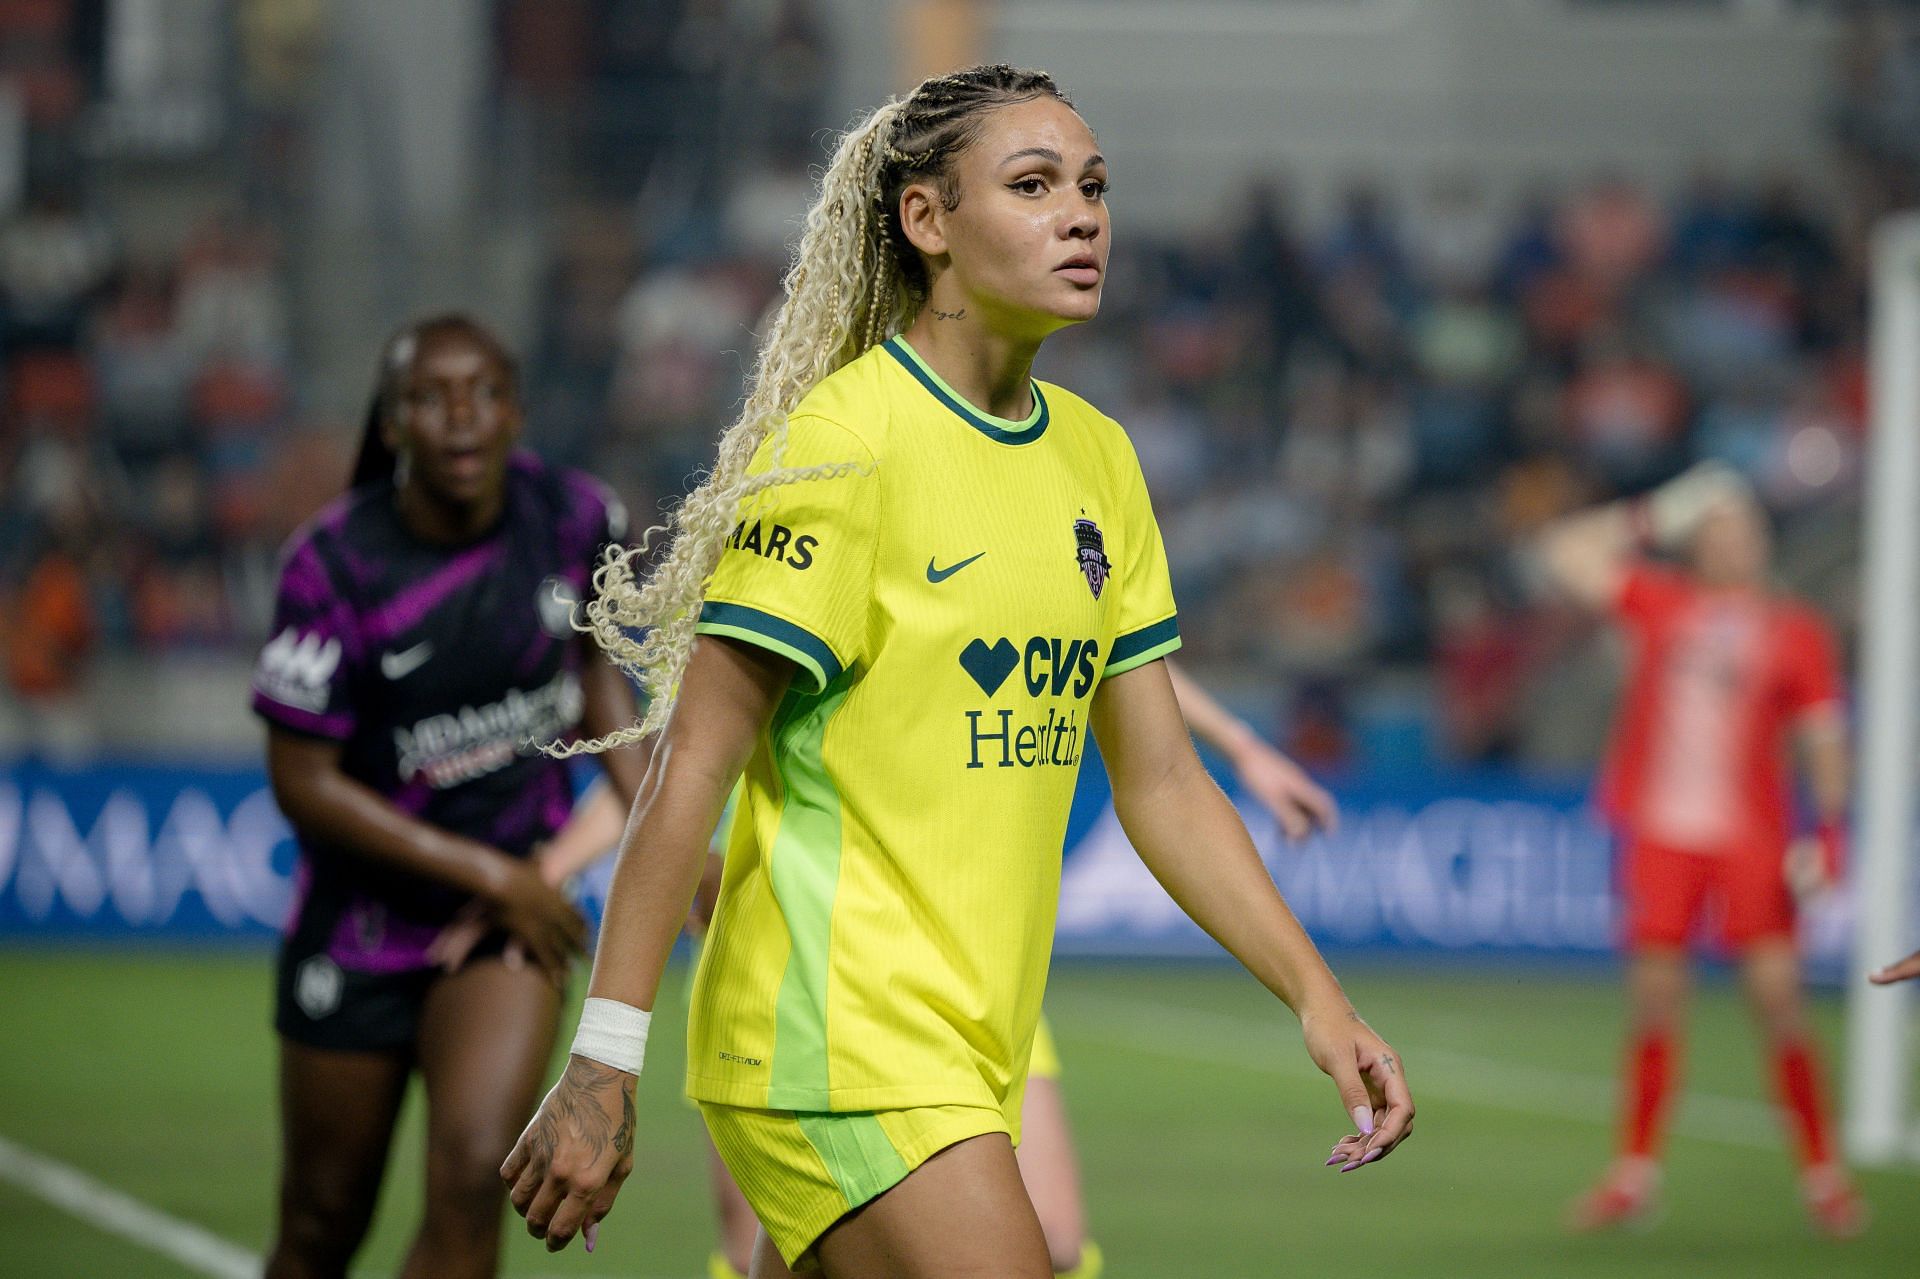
{"x": 923, "y": 217}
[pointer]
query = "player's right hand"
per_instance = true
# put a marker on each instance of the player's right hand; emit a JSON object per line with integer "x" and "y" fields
{"x": 1676, "y": 508}
{"x": 541, "y": 918}
{"x": 1903, "y": 970}
{"x": 1300, "y": 804}
{"x": 1371, "y": 1080}
{"x": 573, "y": 1157}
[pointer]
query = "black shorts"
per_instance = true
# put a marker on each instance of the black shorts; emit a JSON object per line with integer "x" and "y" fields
{"x": 322, "y": 1005}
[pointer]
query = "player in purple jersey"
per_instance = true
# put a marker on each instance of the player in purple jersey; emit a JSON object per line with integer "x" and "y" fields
{"x": 422, "y": 646}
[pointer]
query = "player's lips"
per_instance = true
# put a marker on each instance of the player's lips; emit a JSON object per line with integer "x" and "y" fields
{"x": 464, "y": 463}
{"x": 1082, "y": 269}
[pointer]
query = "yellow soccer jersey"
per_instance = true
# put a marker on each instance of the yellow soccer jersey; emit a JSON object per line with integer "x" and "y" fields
{"x": 887, "y": 911}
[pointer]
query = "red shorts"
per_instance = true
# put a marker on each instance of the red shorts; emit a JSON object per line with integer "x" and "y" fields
{"x": 1734, "y": 899}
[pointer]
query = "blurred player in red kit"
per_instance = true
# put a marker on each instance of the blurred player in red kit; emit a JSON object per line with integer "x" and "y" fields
{"x": 1726, "y": 679}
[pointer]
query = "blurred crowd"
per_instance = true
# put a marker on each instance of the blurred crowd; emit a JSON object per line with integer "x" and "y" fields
{"x": 1349, "y": 429}
{"x": 1350, "y": 421}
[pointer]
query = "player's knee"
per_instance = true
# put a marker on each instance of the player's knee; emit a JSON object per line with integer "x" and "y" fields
{"x": 465, "y": 1173}
{"x": 461, "y": 1229}
{"x": 1656, "y": 1017}
{"x": 1087, "y": 1263}
{"x": 1065, "y": 1236}
{"x": 323, "y": 1219}
{"x": 465, "y": 1195}
{"x": 1778, "y": 1008}
{"x": 1781, "y": 1019}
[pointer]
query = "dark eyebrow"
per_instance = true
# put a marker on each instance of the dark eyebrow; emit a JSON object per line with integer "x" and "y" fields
{"x": 1048, "y": 153}
{"x": 1038, "y": 153}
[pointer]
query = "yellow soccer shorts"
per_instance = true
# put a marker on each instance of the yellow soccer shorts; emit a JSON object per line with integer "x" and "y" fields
{"x": 802, "y": 1172}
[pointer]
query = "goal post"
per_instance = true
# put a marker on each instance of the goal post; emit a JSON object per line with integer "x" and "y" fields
{"x": 1879, "y": 1128}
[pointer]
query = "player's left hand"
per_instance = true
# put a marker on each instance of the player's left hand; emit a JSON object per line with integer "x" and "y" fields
{"x": 454, "y": 944}
{"x": 576, "y": 1153}
{"x": 450, "y": 948}
{"x": 1372, "y": 1083}
{"x": 1296, "y": 801}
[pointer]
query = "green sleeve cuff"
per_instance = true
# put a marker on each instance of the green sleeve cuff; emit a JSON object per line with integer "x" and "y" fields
{"x": 1137, "y": 648}
{"x": 798, "y": 645}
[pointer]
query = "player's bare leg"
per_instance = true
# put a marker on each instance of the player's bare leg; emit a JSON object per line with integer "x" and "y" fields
{"x": 337, "y": 1113}
{"x": 486, "y": 1034}
{"x": 963, "y": 1214}
{"x": 1770, "y": 972}
{"x": 738, "y": 1226}
{"x": 767, "y": 1262}
{"x": 1657, "y": 989}
{"x": 1051, "y": 1172}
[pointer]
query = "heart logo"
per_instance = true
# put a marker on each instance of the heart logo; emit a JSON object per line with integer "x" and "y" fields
{"x": 989, "y": 666}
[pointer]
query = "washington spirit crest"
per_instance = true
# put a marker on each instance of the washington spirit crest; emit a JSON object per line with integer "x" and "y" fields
{"x": 1092, "y": 555}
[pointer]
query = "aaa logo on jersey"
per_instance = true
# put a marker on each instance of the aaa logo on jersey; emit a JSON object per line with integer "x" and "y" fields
{"x": 296, "y": 668}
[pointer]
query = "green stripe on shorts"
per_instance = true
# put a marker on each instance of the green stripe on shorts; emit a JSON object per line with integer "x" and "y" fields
{"x": 855, "y": 1149}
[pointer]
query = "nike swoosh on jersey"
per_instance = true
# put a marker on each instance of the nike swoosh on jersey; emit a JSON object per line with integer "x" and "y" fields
{"x": 942, "y": 574}
{"x": 403, "y": 663}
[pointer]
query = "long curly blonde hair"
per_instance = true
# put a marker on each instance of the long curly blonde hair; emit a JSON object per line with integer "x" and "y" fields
{"x": 855, "y": 280}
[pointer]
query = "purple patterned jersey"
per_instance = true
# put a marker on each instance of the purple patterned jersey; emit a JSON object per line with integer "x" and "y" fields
{"x": 436, "y": 669}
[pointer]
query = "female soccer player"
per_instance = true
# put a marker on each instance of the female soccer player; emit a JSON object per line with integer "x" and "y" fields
{"x": 1726, "y": 679}
{"x": 931, "y": 578}
{"x": 422, "y": 637}
{"x": 1049, "y": 1166}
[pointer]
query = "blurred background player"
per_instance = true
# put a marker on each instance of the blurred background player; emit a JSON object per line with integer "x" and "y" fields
{"x": 1726, "y": 680}
{"x": 1049, "y": 1165}
{"x": 421, "y": 639}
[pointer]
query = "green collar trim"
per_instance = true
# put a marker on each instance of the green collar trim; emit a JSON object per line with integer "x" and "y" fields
{"x": 999, "y": 429}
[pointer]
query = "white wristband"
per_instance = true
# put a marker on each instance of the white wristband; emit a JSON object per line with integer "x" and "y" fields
{"x": 613, "y": 1034}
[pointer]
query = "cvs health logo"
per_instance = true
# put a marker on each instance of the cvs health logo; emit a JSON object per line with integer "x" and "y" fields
{"x": 1049, "y": 667}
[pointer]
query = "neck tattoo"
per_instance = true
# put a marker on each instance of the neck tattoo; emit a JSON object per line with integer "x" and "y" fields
{"x": 938, "y": 314}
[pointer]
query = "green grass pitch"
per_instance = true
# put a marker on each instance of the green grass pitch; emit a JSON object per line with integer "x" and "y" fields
{"x": 1201, "y": 1126}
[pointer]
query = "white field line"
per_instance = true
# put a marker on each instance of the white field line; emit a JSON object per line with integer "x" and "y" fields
{"x": 1190, "y": 1034}
{"x": 114, "y": 1212}
{"x": 104, "y": 1208}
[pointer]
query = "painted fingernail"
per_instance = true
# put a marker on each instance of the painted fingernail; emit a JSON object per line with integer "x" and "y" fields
{"x": 1371, "y": 1155}
{"x": 591, "y": 1234}
{"x": 1363, "y": 1117}
{"x": 1350, "y": 1167}
{"x": 1331, "y": 1162}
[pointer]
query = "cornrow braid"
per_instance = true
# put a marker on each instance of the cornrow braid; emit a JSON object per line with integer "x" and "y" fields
{"x": 855, "y": 280}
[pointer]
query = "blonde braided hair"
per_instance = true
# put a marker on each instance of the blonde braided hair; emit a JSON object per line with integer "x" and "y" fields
{"x": 855, "y": 281}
